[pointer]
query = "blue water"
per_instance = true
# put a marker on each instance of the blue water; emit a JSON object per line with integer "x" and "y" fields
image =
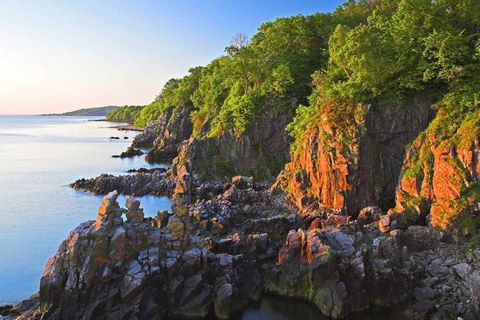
{"x": 39, "y": 158}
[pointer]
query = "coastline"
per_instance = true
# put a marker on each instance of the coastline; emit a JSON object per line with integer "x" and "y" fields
{"x": 124, "y": 126}
{"x": 238, "y": 240}
{"x": 41, "y": 157}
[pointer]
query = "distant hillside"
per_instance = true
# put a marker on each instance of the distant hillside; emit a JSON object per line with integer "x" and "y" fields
{"x": 99, "y": 112}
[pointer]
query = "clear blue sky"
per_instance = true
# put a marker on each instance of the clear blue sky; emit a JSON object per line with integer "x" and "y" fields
{"x": 60, "y": 55}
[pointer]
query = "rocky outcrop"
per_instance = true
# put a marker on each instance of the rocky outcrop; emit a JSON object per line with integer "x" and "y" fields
{"x": 327, "y": 268}
{"x": 143, "y": 182}
{"x": 164, "y": 135}
{"x": 185, "y": 264}
{"x": 352, "y": 156}
{"x": 352, "y": 267}
{"x": 441, "y": 174}
{"x": 147, "y": 170}
{"x": 151, "y": 131}
{"x": 25, "y": 309}
{"x": 129, "y": 153}
{"x": 239, "y": 243}
{"x": 261, "y": 152}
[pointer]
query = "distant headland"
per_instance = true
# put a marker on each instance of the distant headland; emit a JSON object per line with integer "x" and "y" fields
{"x": 98, "y": 111}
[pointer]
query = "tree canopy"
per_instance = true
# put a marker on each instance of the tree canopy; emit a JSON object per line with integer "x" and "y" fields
{"x": 365, "y": 49}
{"x": 400, "y": 47}
{"x": 125, "y": 113}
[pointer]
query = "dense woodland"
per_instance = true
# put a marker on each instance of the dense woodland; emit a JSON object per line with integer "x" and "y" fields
{"x": 396, "y": 49}
{"x": 125, "y": 113}
{"x": 363, "y": 50}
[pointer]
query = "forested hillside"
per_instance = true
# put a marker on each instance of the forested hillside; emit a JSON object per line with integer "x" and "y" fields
{"x": 98, "y": 112}
{"x": 353, "y": 89}
{"x": 427, "y": 51}
{"x": 125, "y": 113}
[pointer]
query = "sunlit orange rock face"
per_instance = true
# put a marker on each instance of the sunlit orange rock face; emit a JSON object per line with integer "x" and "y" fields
{"x": 351, "y": 160}
{"x": 442, "y": 178}
{"x": 318, "y": 176}
{"x": 441, "y": 172}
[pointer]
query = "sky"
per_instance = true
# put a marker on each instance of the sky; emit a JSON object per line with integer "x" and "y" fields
{"x": 59, "y": 55}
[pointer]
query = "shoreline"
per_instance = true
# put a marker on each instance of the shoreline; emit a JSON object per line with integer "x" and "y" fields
{"x": 122, "y": 125}
{"x": 127, "y": 127}
{"x": 268, "y": 238}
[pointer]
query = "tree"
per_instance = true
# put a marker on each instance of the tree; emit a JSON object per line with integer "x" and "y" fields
{"x": 240, "y": 40}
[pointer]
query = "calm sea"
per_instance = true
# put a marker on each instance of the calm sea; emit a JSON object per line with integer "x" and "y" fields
{"x": 39, "y": 158}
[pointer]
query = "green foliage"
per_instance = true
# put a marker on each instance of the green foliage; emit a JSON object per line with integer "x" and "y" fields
{"x": 272, "y": 71}
{"x": 467, "y": 225}
{"x": 236, "y": 112}
{"x": 279, "y": 81}
{"x": 125, "y": 113}
{"x": 176, "y": 95}
{"x": 392, "y": 48}
{"x": 404, "y": 45}
{"x": 212, "y": 91}
{"x": 303, "y": 118}
{"x": 474, "y": 243}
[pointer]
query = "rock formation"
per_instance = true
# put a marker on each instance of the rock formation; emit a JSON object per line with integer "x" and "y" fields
{"x": 175, "y": 130}
{"x": 164, "y": 135}
{"x": 352, "y": 158}
{"x": 441, "y": 176}
{"x": 228, "y": 243}
{"x": 261, "y": 152}
{"x": 132, "y": 266}
{"x": 139, "y": 183}
{"x": 129, "y": 153}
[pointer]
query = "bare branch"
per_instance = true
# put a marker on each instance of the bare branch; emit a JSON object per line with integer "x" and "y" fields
{"x": 239, "y": 40}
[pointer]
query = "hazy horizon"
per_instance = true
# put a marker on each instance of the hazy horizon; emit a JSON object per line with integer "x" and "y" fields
{"x": 52, "y": 113}
{"x": 62, "y": 56}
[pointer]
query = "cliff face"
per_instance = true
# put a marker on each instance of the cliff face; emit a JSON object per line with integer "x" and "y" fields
{"x": 441, "y": 172}
{"x": 165, "y": 135}
{"x": 260, "y": 153}
{"x": 352, "y": 157}
{"x": 177, "y": 129}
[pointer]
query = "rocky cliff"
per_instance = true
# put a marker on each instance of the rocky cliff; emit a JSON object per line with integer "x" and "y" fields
{"x": 352, "y": 156}
{"x": 261, "y": 152}
{"x": 165, "y": 135}
{"x": 188, "y": 264}
{"x": 441, "y": 173}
